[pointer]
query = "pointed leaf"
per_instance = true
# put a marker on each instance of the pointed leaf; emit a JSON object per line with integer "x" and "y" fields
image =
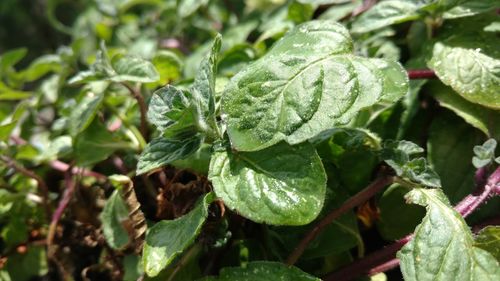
{"x": 442, "y": 247}
{"x": 171, "y": 112}
{"x": 162, "y": 151}
{"x": 384, "y": 14}
{"x": 167, "y": 239}
{"x": 203, "y": 89}
{"x": 307, "y": 83}
{"x": 114, "y": 213}
{"x": 83, "y": 113}
{"x": 133, "y": 69}
{"x": 281, "y": 185}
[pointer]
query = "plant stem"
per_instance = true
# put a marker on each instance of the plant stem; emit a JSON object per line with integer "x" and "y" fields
{"x": 384, "y": 259}
{"x": 63, "y": 167}
{"x": 352, "y": 202}
{"x": 70, "y": 184}
{"x": 142, "y": 108}
{"x": 477, "y": 198}
{"x": 41, "y": 183}
{"x": 421, "y": 74}
{"x": 374, "y": 263}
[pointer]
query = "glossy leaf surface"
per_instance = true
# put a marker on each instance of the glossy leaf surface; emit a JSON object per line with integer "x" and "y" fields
{"x": 281, "y": 185}
{"x": 442, "y": 247}
{"x": 167, "y": 239}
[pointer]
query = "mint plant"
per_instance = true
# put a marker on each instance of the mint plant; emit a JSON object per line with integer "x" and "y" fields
{"x": 250, "y": 140}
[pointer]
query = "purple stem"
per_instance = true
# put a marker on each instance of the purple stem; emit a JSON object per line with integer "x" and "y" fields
{"x": 474, "y": 200}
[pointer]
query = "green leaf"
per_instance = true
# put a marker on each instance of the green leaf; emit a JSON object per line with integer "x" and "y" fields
{"x": 187, "y": 7}
{"x": 133, "y": 69}
{"x": 471, "y": 8}
{"x": 41, "y": 66}
{"x": 484, "y": 154}
{"x": 397, "y": 219}
{"x": 300, "y": 12}
{"x": 476, "y": 115}
{"x": 168, "y": 65}
{"x": 398, "y": 156}
{"x": 262, "y": 271}
{"x": 84, "y": 112}
{"x": 280, "y": 185}
{"x": 449, "y": 151}
{"x": 10, "y": 58}
{"x": 171, "y": 112}
{"x": 442, "y": 247}
{"x": 203, "y": 89}
{"x": 489, "y": 239}
{"x": 470, "y": 64}
{"x": 114, "y": 213}
{"x": 24, "y": 267}
{"x": 384, "y": 14}
{"x": 8, "y": 94}
{"x": 96, "y": 144}
{"x": 121, "y": 68}
{"x": 162, "y": 151}
{"x": 307, "y": 83}
{"x": 167, "y": 239}
{"x": 6, "y": 130}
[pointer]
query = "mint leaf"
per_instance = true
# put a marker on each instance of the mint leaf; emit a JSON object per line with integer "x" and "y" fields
{"x": 489, "y": 239}
{"x": 95, "y": 144}
{"x": 10, "y": 58}
{"x": 288, "y": 189}
{"x": 474, "y": 114}
{"x": 167, "y": 239}
{"x": 133, "y": 69}
{"x": 307, "y": 83}
{"x": 398, "y": 155}
{"x": 470, "y": 65}
{"x": 83, "y": 113}
{"x": 449, "y": 151}
{"x": 262, "y": 271}
{"x": 162, "y": 151}
{"x": 484, "y": 154}
{"x": 120, "y": 68}
{"x": 384, "y": 14}
{"x": 171, "y": 112}
{"x": 470, "y": 8}
{"x": 203, "y": 89}
{"x": 186, "y": 8}
{"x": 114, "y": 213}
{"x": 442, "y": 247}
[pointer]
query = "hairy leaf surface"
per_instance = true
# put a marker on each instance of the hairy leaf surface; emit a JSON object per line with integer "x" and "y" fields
{"x": 307, "y": 83}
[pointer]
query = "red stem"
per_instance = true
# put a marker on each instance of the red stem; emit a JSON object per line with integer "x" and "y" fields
{"x": 421, "y": 74}
{"x": 352, "y": 202}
